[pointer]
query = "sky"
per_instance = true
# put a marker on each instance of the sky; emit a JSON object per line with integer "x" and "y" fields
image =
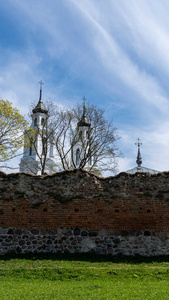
{"x": 115, "y": 53}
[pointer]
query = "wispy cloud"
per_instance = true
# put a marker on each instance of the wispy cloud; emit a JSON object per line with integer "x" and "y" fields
{"x": 114, "y": 59}
{"x": 116, "y": 54}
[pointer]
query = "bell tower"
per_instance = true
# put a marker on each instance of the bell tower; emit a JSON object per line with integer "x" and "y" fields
{"x": 80, "y": 151}
{"x": 33, "y": 155}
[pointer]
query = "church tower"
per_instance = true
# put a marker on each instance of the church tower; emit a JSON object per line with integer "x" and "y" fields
{"x": 39, "y": 150}
{"x": 139, "y": 167}
{"x": 81, "y": 148}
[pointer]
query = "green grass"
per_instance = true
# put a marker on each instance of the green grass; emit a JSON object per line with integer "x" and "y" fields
{"x": 81, "y": 277}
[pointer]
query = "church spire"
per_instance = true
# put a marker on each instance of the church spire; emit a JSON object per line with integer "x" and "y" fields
{"x": 40, "y": 96}
{"x": 139, "y": 159}
{"x": 84, "y": 121}
{"x": 84, "y": 107}
{"x": 40, "y": 107}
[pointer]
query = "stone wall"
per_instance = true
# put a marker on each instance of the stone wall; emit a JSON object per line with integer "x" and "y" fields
{"x": 75, "y": 211}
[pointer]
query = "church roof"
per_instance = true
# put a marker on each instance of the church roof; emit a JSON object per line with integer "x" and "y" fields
{"x": 84, "y": 121}
{"x": 141, "y": 169}
{"x": 40, "y": 107}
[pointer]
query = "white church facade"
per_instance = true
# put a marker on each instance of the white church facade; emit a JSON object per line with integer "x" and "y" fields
{"x": 38, "y": 154}
{"x": 81, "y": 149}
{"x": 34, "y": 156}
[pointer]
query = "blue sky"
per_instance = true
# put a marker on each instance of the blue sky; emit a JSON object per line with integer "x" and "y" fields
{"x": 116, "y": 53}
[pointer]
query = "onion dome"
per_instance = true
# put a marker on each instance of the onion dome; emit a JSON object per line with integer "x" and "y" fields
{"x": 40, "y": 107}
{"x": 84, "y": 121}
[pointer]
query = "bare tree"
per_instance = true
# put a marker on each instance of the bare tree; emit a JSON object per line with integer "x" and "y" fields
{"x": 81, "y": 137}
{"x": 85, "y": 129}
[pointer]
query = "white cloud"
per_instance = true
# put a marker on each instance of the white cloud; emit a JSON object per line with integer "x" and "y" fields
{"x": 118, "y": 54}
{"x": 146, "y": 25}
{"x": 116, "y": 61}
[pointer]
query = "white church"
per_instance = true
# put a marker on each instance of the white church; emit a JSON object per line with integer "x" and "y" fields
{"x": 33, "y": 155}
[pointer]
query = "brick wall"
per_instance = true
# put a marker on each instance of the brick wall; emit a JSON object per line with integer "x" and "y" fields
{"x": 125, "y": 204}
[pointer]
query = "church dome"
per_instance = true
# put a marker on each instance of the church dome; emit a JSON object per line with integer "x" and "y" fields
{"x": 40, "y": 108}
{"x": 84, "y": 121}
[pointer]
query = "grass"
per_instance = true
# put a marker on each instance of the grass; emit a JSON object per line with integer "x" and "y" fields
{"x": 81, "y": 277}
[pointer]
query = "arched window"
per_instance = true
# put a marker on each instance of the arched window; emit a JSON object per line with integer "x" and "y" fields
{"x": 30, "y": 151}
{"x": 30, "y": 147}
{"x": 77, "y": 157}
{"x": 35, "y": 122}
{"x": 44, "y": 146}
{"x": 95, "y": 160}
{"x": 90, "y": 160}
{"x": 80, "y": 134}
{"x": 42, "y": 121}
{"x": 51, "y": 150}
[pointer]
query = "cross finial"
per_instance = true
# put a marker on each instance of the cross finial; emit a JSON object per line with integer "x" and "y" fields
{"x": 84, "y": 107}
{"x": 84, "y": 100}
{"x": 41, "y": 83}
{"x": 40, "y": 97}
{"x": 138, "y": 143}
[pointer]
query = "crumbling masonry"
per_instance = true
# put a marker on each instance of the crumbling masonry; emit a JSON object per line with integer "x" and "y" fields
{"x": 75, "y": 211}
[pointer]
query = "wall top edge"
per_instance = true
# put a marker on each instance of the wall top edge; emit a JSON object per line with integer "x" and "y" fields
{"x": 83, "y": 172}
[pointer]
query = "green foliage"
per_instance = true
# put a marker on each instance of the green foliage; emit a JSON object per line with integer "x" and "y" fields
{"x": 12, "y": 125}
{"x": 84, "y": 277}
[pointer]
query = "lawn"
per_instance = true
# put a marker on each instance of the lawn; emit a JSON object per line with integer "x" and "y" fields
{"x": 81, "y": 277}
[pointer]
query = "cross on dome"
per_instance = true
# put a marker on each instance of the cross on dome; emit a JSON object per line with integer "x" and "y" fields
{"x": 84, "y": 100}
{"x": 138, "y": 143}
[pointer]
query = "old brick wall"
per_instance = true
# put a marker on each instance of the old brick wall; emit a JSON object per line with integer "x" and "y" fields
{"x": 125, "y": 206}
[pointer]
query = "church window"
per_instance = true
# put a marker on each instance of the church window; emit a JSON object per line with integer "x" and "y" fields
{"x": 90, "y": 160}
{"x": 80, "y": 134}
{"x": 42, "y": 121}
{"x": 35, "y": 122}
{"x": 95, "y": 160}
{"x": 31, "y": 146}
{"x": 44, "y": 146}
{"x": 77, "y": 157}
{"x": 51, "y": 150}
{"x": 30, "y": 151}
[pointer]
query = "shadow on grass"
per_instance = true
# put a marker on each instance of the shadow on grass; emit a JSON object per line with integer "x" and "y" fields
{"x": 90, "y": 257}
